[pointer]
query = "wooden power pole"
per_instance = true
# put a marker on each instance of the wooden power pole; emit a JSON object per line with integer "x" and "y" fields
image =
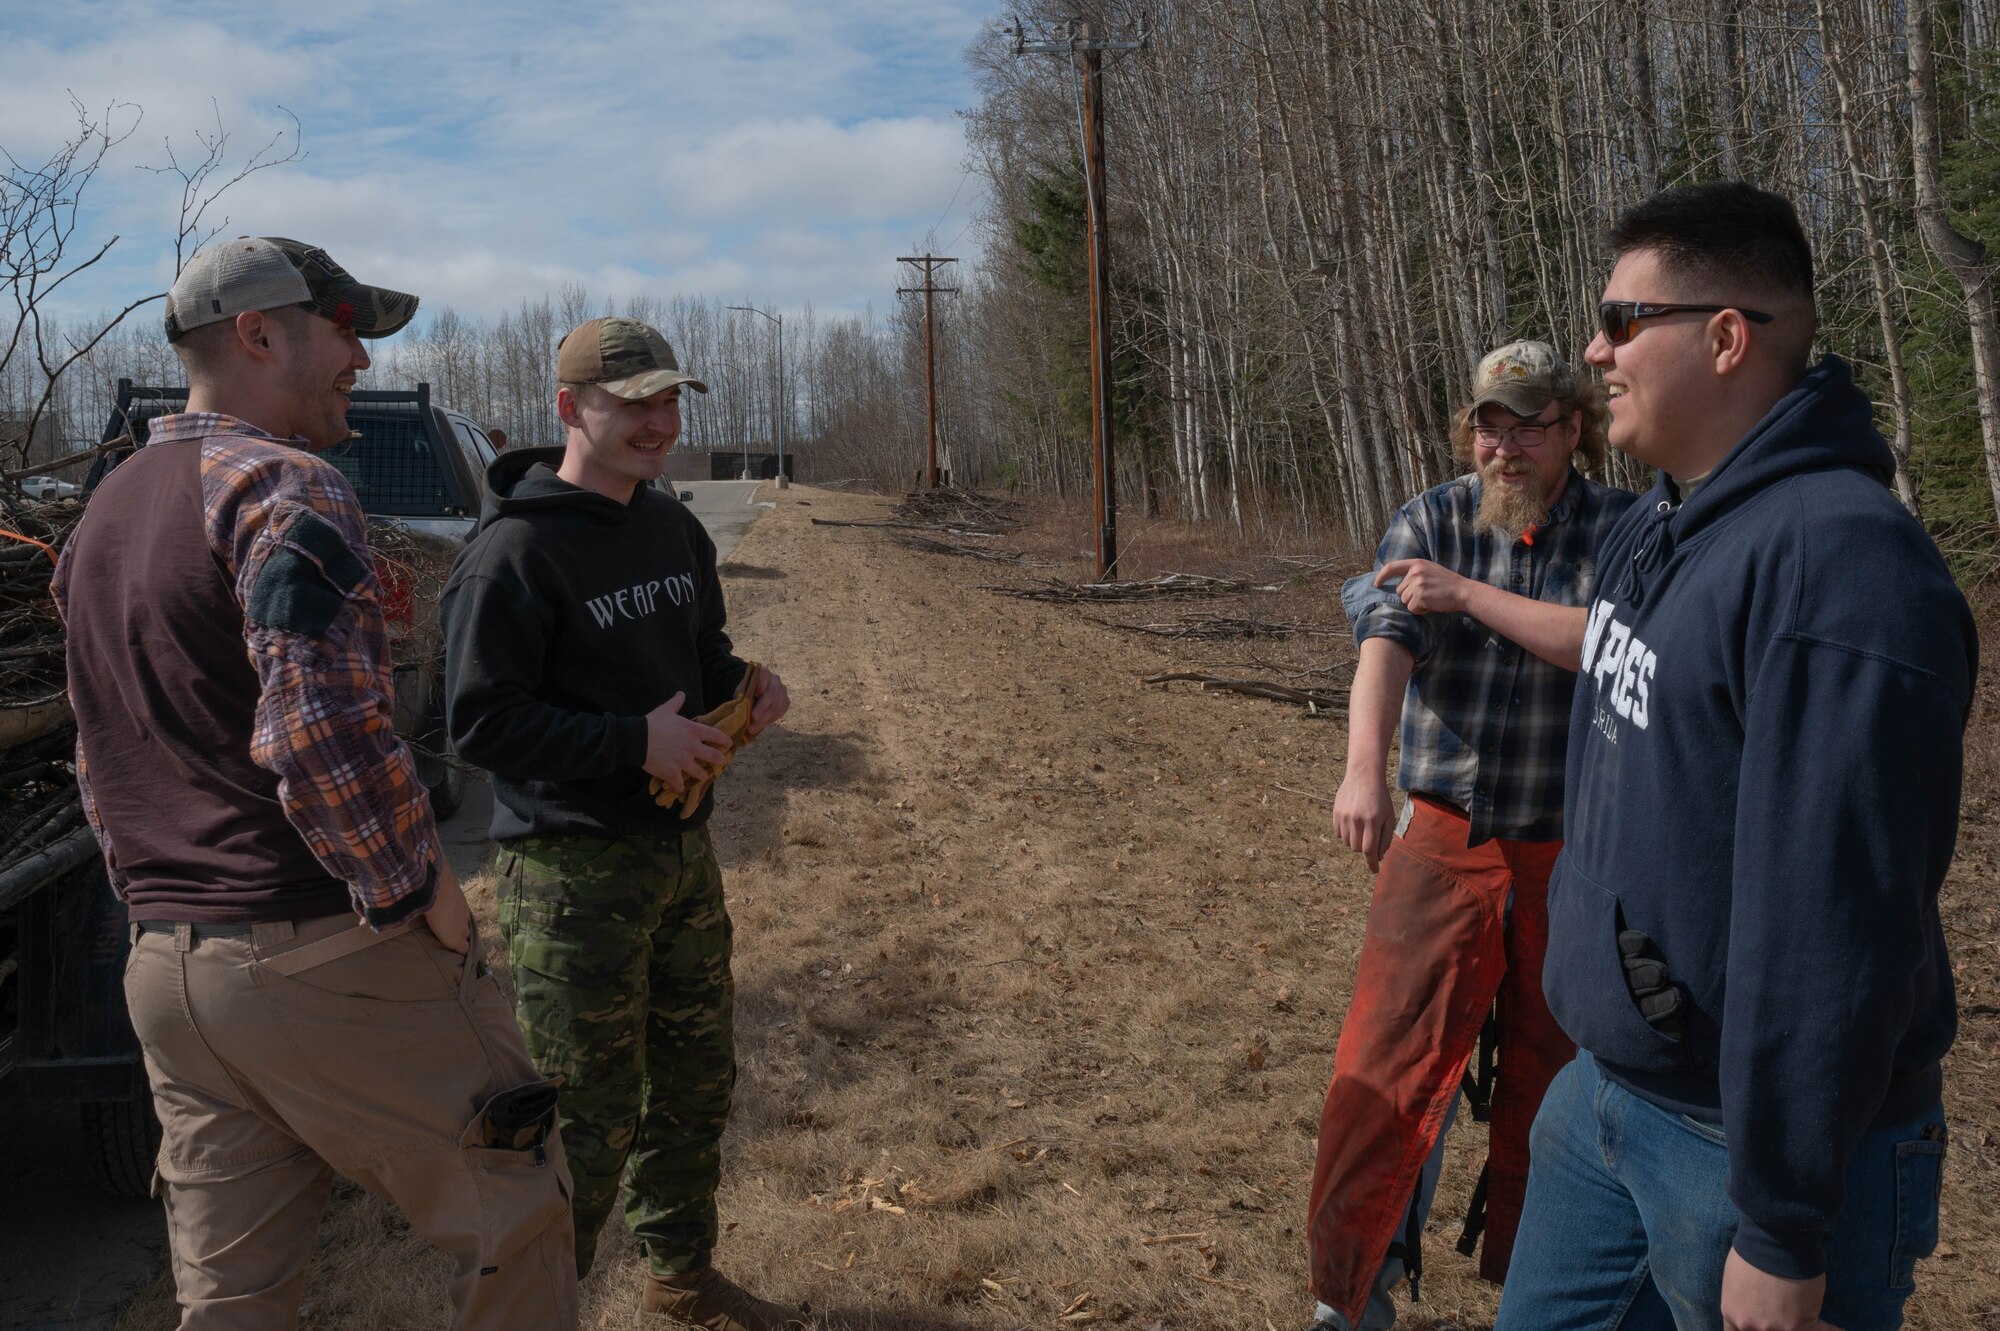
{"x": 1088, "y": 46}
{"x": 929, "y": 263}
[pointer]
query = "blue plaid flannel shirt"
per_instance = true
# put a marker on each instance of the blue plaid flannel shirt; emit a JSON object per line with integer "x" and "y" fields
{"x": 1485, "y": 722}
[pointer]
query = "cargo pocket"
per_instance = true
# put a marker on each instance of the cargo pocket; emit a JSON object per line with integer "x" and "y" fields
{"x": 521, "y": 1187}
{"x": 1919, "y": 1175}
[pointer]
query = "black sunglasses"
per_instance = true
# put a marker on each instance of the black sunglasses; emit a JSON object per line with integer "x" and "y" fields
{"x": 1620, "y": 318}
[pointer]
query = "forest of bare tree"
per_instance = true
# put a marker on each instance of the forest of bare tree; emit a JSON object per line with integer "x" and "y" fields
{"x": 1324, "y": 213}
{"x": 1321, "y": 215}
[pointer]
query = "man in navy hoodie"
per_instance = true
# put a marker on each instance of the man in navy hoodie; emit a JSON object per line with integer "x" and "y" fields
{"x": 1762, "y": 801}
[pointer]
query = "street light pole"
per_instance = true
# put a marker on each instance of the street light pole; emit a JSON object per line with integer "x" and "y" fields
{"x": 782, "y": 407}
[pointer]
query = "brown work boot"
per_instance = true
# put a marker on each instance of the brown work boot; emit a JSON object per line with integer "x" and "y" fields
{"x": 712, "y": 1301}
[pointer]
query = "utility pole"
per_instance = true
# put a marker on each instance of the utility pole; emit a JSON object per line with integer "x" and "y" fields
{"x": 930, "y": 263}
{"x": 781, "y": 408}
{"x": 1088, "y": 46}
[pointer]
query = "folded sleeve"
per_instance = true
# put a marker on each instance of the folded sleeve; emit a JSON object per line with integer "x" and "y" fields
{"x": 1375, "y": 612}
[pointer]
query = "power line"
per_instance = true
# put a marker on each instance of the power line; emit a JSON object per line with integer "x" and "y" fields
{"x": 962, "y": 177}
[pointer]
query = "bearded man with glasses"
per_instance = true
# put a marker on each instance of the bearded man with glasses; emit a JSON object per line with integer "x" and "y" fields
{"x": 1469, "y": 631}
{"x": 1762, "y": 802}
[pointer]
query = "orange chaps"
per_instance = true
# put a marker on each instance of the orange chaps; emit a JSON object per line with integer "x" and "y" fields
{"x": 1443, "y": 942}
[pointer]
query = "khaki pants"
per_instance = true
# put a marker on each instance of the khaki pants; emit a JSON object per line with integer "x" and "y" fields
{"x": 377, "y": 1065}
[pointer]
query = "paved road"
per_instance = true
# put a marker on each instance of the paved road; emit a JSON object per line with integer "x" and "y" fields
{"x": 73, "y": 1255}
{"x": 726, "y": 508}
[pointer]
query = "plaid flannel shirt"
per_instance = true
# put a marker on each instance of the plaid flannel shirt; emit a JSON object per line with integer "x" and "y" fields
{"x": 324, "y": 720}
{"x": 1486, "y": 722}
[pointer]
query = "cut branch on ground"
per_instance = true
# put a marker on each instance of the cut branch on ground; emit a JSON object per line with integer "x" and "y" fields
{"x": 1315, "y": 701}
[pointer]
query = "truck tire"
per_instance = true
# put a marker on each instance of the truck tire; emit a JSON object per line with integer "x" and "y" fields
{"x": 124, "y": 1138}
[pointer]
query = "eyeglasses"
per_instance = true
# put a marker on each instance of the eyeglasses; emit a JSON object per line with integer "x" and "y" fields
{"x": 1520, "y": 436}
{"x": 1620, "y": 318}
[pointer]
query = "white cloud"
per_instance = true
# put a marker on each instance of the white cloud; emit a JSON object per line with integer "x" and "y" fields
{"x": 779, "y": 150}
{"x": 808, "y": 169}
{"x": 180, "y": 75}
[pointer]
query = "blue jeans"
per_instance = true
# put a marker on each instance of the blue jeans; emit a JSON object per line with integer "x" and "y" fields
{"x": 1622, "y": 1191}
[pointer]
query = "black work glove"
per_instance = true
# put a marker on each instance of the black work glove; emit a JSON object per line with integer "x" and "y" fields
{"x": 1661, "y": 1002}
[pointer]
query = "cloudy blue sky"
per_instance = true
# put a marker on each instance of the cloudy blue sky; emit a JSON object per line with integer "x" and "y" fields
{"x": 775, "y": 150}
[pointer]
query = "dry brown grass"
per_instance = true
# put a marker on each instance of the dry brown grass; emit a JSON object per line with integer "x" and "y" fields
{"x": 1038, "y": 967}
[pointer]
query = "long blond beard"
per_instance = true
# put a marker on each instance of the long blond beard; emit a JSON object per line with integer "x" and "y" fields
{"x": 1508, "y": 510}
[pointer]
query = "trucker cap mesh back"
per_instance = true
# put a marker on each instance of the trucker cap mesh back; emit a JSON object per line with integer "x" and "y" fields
{"x": 244, "y": 274}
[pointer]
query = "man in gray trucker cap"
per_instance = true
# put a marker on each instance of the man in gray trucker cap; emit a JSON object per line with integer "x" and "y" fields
{"x": 304, "y": 979}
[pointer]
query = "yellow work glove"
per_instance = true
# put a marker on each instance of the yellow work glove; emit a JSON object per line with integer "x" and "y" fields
{"x": 733, "y": 720}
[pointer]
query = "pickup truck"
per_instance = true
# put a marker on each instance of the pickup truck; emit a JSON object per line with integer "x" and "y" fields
{"x": 419, "y": 471}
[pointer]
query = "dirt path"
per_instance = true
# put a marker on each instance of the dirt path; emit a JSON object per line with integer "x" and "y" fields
{"x": 1039, "y": 971}
{"x": 1031, "y": 956}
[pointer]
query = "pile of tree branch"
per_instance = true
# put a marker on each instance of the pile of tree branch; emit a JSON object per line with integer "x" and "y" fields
{"x": 952, "y": 511}
{"x": 1186, "y": 586}
{"x": 1313, "y": 566}
{"x": 963, "y": 511}
{"x": 31, "y": 636}
{"x": 39, "y": 807}
{"x": 412, "y": 568}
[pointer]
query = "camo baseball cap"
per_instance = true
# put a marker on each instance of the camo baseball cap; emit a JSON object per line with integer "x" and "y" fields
{"x": 622, "y": 356}
{"x": 1523, "y": 377}
{"x": 269, "y": 272}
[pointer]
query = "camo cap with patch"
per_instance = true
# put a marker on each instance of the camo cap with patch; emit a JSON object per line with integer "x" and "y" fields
{"x": 269, "y": 272}
{"x": 1523, "y": 377}
{"x": 622, "y": 356}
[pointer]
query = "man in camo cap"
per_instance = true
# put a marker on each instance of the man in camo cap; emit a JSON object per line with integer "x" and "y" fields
{"x": 584, "y": 630}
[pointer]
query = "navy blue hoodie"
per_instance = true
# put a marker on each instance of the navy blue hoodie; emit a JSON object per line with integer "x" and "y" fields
{"x": 1763, "y": 777}
{"x": 567, "y": 618}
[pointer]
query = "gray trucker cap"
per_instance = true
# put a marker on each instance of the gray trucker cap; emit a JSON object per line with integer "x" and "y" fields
{"x": 268, "y": 272}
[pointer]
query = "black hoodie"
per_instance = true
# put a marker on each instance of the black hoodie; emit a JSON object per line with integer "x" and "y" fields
{"x": 567, "y": 618}
{"x": 1763, "y": 778}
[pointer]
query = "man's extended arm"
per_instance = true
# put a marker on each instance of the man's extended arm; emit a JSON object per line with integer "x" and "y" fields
{"x": 1361, "y": 811}
{"x": 1552, "y": 632}
{"x": 1390, "y": 640}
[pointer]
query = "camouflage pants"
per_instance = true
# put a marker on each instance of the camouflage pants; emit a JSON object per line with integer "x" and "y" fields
{"x": 620, "y": 952}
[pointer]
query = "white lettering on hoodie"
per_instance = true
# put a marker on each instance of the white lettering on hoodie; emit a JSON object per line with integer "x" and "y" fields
{"x": 641, "y": 599}
{"x": 1620, "y": 667}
